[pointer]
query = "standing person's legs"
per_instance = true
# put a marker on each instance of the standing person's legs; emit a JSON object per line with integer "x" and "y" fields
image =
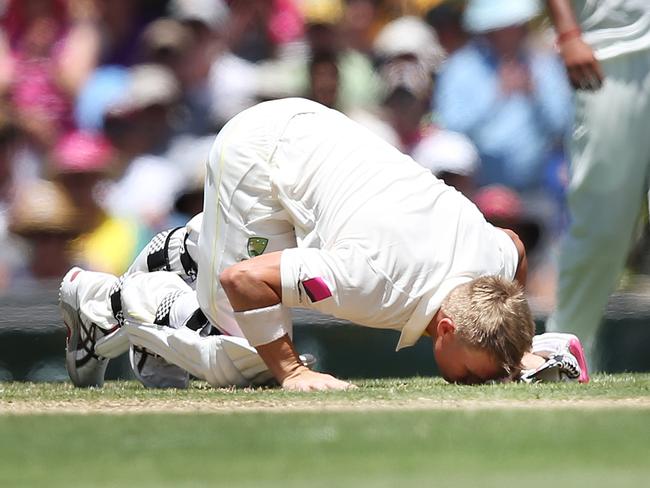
{"x": 610, "y": 159}
{"x": 242, "y": 218}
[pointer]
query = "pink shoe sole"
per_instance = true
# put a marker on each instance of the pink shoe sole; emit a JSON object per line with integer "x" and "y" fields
{"x": 575, "y": 348}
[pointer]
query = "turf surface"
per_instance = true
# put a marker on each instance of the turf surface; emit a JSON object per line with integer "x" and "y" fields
{"x": 602, "y": 386}
{"x": 454, "y": 445}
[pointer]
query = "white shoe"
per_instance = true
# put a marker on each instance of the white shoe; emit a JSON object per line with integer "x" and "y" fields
{"x": 84, "y": 366}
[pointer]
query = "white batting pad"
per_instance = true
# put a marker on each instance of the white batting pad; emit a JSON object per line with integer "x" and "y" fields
{"x": 215, "y": 359}
{"x": 113, "y": 345}
{"x": 142, "y": 293}
{"x": 154, "y": 372}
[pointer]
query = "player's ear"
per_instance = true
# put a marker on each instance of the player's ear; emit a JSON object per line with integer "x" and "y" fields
{"x": 445, "y": 327}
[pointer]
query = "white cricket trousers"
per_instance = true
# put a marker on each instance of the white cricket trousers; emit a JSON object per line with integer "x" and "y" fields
{"x": 610, "y": 167}
{"x": 145, "y": 297}
{"x": 242, "y": 217}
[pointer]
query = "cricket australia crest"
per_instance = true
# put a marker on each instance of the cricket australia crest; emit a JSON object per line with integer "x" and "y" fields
{"x": 256, "y": 246}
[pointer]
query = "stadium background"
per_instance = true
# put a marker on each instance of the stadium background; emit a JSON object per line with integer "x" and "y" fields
{"x": 107, "y": 108}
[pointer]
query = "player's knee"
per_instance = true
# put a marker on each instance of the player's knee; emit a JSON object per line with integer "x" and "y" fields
{"x": 237, "y": 278}
{"x": 227, "y": 278}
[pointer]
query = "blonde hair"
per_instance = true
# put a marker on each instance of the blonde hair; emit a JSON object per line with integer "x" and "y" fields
{"x": 492, "y": 314}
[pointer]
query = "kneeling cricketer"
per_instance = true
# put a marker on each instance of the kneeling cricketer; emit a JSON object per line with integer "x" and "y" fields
{"x": 305, "y": 208}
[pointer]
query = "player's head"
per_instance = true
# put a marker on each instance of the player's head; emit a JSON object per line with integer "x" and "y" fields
{"x": 484, "y": 327}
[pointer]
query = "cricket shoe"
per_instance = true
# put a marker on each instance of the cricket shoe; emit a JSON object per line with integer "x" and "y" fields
{"x": 565, "y": 359}
{"x": 85, "y": 367}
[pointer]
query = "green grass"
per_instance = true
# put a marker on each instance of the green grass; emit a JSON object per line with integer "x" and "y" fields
{"x": 449, "y": 447}
{"x": 399, "y": 390}
{"x": 439, "y": 448}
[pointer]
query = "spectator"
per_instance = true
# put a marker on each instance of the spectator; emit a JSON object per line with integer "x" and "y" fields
{"x": 446, "y": 18}
{"x": 10, "y": 256}
{"x": 36, "y": 34}
{"x": 187, "y": 51}
{"x": 80, "y": 162}
{"x": 6, "y": 66}
{"x": 217, "y": 84}
{"x": 451, "y": 157}
{"x": 45, "y": 218}
{"x": 82, "y": 50}
{"x": 139, "y": 126}
{"x": 190, "y": 198}
{"x": 196, "y": 33}
{"x": 188, "y": 155}
{"x": 249, "y": 33}
{"x": 120, "y": 24}
{"x": 359, "y": 86}
{"x": 8, "y": 144}
{"x": 167, "y": 42}
{"x": 104, "y": 88}
{"x": 512, "y": 101}
{"x": 359, "y": 24}
{"x": 324, "y": 79}
{"x": 408, "y": 54}
{"x": 409, "y": 38}
{"x": 408, "y": 91}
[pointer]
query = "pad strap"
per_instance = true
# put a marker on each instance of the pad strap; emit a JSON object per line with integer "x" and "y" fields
{"x": 159, "y": 260}
{"x": 115, "y": 298}
{"x": 189, "y": 265}
{"x": 197, "y": 320}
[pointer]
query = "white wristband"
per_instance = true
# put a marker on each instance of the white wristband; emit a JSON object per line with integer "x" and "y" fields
{"x": 264, "y": 325}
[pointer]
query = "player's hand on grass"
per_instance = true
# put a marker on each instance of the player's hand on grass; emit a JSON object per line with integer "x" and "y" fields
{"x": 582, "y": 66}
{"x": 304, "y": 379}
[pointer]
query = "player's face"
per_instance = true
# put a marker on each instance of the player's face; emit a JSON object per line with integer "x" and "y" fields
{"x": 459, "y": 363}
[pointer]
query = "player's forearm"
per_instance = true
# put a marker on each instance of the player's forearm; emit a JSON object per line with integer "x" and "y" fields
{"x": 254, "y": 290}
{"x": 522, "y": 270}
{"x": 583, "y": 68}
{"x": 562, "y": 16}
{"x": 281, "y": 358}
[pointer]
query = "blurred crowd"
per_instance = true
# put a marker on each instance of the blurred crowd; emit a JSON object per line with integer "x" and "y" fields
{"x": 108, "y": 109}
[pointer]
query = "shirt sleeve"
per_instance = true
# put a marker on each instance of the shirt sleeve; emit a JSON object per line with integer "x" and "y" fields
{"x": 337, "y": 282}
{"x": 509, "y": 254}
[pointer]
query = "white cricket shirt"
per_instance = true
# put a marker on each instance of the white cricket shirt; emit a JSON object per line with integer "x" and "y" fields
{"x": 381, "y": 241}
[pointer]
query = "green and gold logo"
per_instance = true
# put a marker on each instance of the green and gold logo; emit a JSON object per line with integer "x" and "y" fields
{"x": 256, "y": 246}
